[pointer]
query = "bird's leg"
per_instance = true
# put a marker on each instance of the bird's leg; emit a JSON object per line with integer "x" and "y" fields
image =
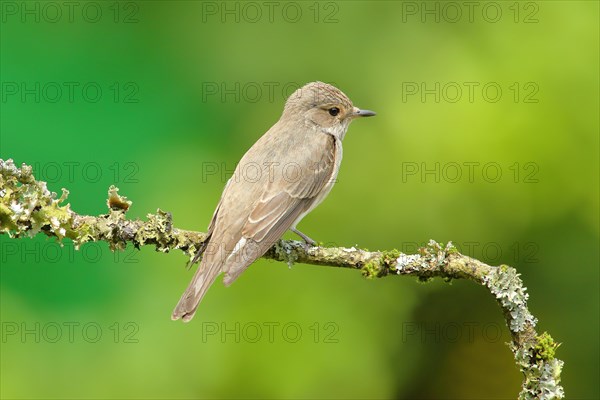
{"x": 306, "y": 239}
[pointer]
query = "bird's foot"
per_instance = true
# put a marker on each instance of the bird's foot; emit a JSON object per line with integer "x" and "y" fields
{"x": 308, "y": 242}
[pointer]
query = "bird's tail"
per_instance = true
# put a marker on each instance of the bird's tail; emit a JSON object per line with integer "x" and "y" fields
{"x": 233, "y": 264}
{"x": 205, "y": 275}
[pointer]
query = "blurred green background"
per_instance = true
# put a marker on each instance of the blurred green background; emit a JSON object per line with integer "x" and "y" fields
{"x": 151, "y": 96}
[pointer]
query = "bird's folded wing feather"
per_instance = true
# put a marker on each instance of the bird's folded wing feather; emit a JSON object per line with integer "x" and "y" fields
{"x": 282, "y": 204}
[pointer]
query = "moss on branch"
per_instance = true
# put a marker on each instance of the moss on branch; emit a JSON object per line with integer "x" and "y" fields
{"x": 28, "y": 208}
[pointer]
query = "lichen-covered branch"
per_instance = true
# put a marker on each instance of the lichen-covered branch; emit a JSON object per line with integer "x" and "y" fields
{"x": 27, "y": 208}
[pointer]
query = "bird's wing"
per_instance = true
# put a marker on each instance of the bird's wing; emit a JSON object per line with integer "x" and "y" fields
{"x": 281, "y": 204}
{"x": 209, "y": 232}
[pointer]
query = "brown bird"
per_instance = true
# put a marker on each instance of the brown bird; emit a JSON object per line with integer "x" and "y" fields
{"x": 280, "y": 179}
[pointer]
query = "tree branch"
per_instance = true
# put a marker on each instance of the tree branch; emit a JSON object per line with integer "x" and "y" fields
{"x": 27, "y": 208}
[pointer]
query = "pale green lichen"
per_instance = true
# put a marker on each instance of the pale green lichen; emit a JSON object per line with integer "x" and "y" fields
{"x": 115, "y": 201}
{"x": 427, "y": 263}
{"x": 157, "y": 230}
{"x": 541, "y": 370}
{"x": 435, "y": 253}
{"x": 27, "y": 207}
{"x": 285, "y": 251}
{"x": 505, "y": 284}
{"x": 404, "y": 261}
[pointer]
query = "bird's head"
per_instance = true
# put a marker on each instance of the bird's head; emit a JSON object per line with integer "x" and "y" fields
{"x": 322, "y": 106}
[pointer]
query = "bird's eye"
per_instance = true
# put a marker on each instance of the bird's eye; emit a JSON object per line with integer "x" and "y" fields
{"x": 333, "y": 111}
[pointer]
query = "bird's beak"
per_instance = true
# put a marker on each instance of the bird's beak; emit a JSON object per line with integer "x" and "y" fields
{"x": 363, "y": 113}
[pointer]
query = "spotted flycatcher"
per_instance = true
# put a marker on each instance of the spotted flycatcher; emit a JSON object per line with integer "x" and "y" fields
{"x": 284, "y": 175}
